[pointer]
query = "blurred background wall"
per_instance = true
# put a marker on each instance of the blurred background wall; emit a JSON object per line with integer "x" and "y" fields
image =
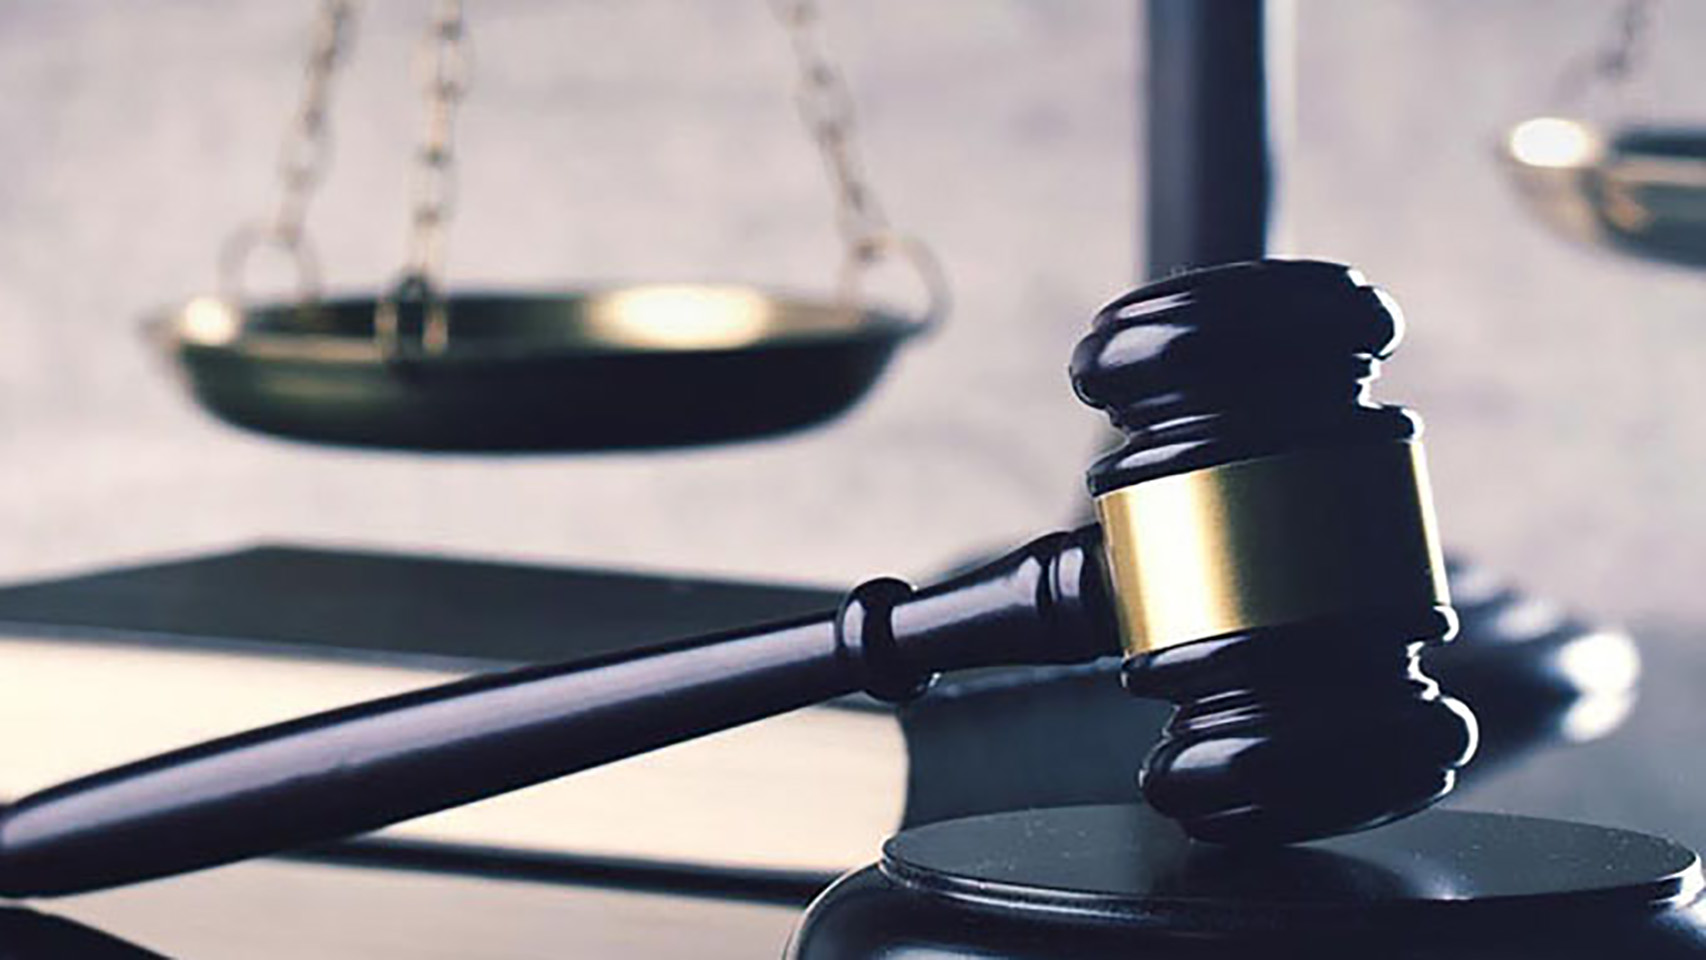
{"x": 656, "y": 140}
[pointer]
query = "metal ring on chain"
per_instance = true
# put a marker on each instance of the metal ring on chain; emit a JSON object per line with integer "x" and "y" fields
{"x": 869, "y": 251}
{"x": 302, "y": 161}
{"x": 240, "y": 246}
{"x": 827, "y": 112}
{"x": 416, "y": 291}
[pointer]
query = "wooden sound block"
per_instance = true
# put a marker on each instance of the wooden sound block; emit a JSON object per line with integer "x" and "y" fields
{"x": 1121, "y": 881}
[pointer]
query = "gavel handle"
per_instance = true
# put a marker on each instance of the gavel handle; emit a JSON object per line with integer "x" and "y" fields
{"x": 362, "y": 767}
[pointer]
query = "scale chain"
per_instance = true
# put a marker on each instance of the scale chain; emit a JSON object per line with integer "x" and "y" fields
{"x": 446, "y": 69}
{"x": 303, "y": 160}
{"x": 1616, "y": 59}
{"x": 445, "y": 60}
{"x": 446, "y": 66}
{"x": 826, "y": 108}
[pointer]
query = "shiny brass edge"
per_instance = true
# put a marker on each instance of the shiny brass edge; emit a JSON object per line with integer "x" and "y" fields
{"x": 1272, "y": 540}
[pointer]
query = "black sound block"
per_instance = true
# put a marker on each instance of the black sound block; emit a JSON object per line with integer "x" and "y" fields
{"x": 1121, "y": 881}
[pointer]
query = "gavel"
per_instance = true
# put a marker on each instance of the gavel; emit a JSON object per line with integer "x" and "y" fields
{"x": 1265, "y": 559}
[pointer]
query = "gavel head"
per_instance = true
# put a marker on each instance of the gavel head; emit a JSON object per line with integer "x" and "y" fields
{"x": 1271, "y": 551}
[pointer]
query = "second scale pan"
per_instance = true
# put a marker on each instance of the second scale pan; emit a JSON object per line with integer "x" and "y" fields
{"x": 633, "y": 367}
{"x": 1638, "y": 191}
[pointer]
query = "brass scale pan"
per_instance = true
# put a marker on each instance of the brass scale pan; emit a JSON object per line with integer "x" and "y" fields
{"x": 1640, "y": 191}
{"x": 1635, "y": 189}
{"x": 623, "y": 367}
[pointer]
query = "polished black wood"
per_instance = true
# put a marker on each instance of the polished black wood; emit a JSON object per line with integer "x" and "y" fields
{"x": 1305, "y": 730}
{"x": 359, "y": 768}
{"x": 27, "y": 935}
{"x": 1298, "y": 730}
{"x": 1240, "y": 361}
{"x": 1207, "y": 143}
{"x": 1118, "y": 882}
